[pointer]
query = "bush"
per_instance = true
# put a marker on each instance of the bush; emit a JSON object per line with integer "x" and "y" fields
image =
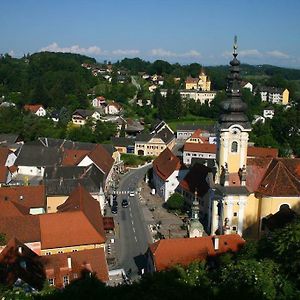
{"x": 175, "y": 201}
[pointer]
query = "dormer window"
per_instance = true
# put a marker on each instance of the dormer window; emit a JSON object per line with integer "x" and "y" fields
{"x": 234, "y": 147}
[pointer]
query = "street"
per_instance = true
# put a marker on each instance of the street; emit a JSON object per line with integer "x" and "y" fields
{"x": 134, "y": 235}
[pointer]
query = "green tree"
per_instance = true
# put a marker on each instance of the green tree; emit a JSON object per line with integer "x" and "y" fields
{"x": 175, "y": 201}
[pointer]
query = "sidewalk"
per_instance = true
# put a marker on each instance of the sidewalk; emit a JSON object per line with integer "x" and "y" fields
{"x": 161, "y": 223}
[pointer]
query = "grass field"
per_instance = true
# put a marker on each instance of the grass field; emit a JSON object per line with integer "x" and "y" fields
{"x": 190, "y": 120}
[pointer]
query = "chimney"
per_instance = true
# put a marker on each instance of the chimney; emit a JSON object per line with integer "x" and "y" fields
{"x": 216, "y": 242}
{"x": 69, "y": 260}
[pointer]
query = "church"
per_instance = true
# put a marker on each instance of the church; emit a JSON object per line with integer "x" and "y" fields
{"x": 202, "y": 83}
{"x": 245, "y": 191}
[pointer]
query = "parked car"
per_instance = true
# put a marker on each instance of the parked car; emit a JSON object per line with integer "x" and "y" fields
{"x": 114, "y": 209}
{"x": 124, "y": 203}
{"x": 131, "y": 194}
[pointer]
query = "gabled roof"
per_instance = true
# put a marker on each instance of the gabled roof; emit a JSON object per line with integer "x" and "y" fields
{"x": 56, "y": 266}
{"x": 262, "y": 152}
{"x": 81, "y": 200}
{"x": 167, "y": 253}
{"x": 33, "y": 107}
{"x": 282, "y": 179}
{"x": 200, "y": 133}
{"x": 13, "y": 257}
{"x": 12, "y": 209}
{"x": 72, "y": 157}
{"x": 83, "y": 112}
{"x": 122, "y": 141}
{"x": 101, "y": 159}
{"x": 63, "y": 180}
{"x": 38, "y": 156}
{"x": 196, "y": 180}
{"x": 191, "y": 80}
{"x": 27, "y": 196}
{"x": 166, "y": 163}
{"x": 25, "y": 228}
{"x": 166, "y": 135}
{"x": 68, "y": 229}
{"x": 144, "y": 137}
{"x": 199, "y": 147}
{"x": 3, "y": 174}
{"x": 7, "y": 138}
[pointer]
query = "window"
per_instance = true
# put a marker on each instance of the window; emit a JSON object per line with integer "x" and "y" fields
{"x": 234, "y": 147}
{"x": 66, "y": 280}
{"x": 51, "y": 281}
{"x": 234, "y": 228}
{"x": 235, "y": 214}
{"x": 48, "y": 253}
{"x": 60, "y": 251}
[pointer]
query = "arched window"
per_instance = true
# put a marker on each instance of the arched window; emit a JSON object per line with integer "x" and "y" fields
{"x": 234, "y": 147}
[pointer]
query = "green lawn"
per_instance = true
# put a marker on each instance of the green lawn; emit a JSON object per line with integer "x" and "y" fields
{"x": 190, "y": 120}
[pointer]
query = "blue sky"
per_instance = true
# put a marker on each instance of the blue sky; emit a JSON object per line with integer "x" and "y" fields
{"x": 174, "y": 30}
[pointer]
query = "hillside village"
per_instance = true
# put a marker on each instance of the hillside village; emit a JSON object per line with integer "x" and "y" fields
{"x": 60, "y": 197}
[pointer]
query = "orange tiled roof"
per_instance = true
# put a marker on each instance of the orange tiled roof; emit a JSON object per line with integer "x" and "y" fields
{"x": 3, "y": 174}
{"x": 33, "y": 107}
{"x": 262, "y": 152}
{"x": 198, "y": 134}
{"x": 81, "y": 200}
{"x": 198, "y": 147}
{"x": 191, "y": 80}
{"x": 56, "y": 266}
{"x": 101, "y": 158}
{"x": 12, "y": 209}
{"x": 170, "y": 252}
{"x": 166, "y": 163}
{"x": 68, "y": 229}
{"x": 28, "y": 196}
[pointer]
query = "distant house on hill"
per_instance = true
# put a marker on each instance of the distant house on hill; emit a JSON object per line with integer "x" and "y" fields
{"x": 112, "y": 108}
{"x": 80, "y": 116}
{"x": 36, "y": 109}
{"x": 98, "y": 102}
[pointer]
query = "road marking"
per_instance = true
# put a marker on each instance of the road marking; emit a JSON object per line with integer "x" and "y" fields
{"x": 135, "y": 238}
{"x": 133, "y": 229}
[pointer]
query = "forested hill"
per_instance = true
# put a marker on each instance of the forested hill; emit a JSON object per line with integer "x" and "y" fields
{"x": 53, "y": 79}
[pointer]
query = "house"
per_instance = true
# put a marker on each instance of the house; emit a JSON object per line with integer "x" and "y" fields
{"x": 33, "y": 198}
{"x": 98, "y": 101}
{"x": 273, "y": 95}
{"x": 11, "y": 141}
{"x": 153, "y": 144}
{"x": 36, "y": 109}
{"x": 247, "y": 85}
{"x": 167, "y": 173}
{"x": 201, "y": 83}
{"x": 167, "y": 253}
{"x": 113, "y": 108}
{"x": 80, "y": 116}
{"x": 152, "y": 88}
{"x": 123, "y": 144}
{"x": 61, "y": 181}
{"x": 160, "y": 125}
{"x": 133, "y": 127}
{"x": 202, "y": 136}
{"x": 33, "y": 159}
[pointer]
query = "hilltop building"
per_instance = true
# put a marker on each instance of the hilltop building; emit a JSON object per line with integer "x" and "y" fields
{"x": 201, "y": 83}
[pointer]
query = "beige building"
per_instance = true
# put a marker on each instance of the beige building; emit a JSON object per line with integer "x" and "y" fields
{"x": 201, "y": 83}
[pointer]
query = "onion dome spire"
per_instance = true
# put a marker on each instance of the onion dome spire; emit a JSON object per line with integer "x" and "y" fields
{"x": 233, "y": 108}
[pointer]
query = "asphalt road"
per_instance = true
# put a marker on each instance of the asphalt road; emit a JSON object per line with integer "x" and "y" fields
{"x": 134, "y": 235}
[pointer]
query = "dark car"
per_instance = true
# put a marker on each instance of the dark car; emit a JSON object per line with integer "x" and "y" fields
{"x": 114, "y": 209}
{"x": 124, "y": 203}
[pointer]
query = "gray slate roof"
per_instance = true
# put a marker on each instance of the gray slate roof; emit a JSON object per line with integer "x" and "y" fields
{"x": 122, "y": 141}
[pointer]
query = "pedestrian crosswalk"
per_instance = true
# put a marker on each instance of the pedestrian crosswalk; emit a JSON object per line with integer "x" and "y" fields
{"x": 125, "y": 192}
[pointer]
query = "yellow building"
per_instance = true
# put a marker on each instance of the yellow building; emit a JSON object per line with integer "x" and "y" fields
{"x": 201, "y": 83}
{"x": 247, "y": 191}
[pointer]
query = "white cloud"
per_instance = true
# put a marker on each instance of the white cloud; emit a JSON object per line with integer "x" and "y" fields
{"x": 54, "y": 47}
{"x": 167, "y": 53}
{"x": 277, "y": 54}
{"x": 11, "y": 53}
{"x": 250, "y": 52}
{"x": 126, "y": 52}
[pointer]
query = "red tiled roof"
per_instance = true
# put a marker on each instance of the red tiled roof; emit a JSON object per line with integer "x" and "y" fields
{"x": 33, "y": 107}
{"x": 12, "y": 209}
{"x": 81, "y": 200}
{"x": 196, "y": 180}
{"x": 262, "y": 152}
{"x": 29, "y": 196}
{"x": 282, "y": 178}
{"x": 3, "y": 174}
{"x": 212, "y": 148}
{"x": 72, "y": 157}
{"x": 170, "y": 252}
{"x": 4, "y": 152}
{"x": 198, "y": 133}
{"x": 101, "y": 158}
{"x": 68, "y": 229}
{"x": 25, "y": 228}
{"x": 56, "y": 266}
{"x": 166, "y": 163}
{"x": 198, "y": 147}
